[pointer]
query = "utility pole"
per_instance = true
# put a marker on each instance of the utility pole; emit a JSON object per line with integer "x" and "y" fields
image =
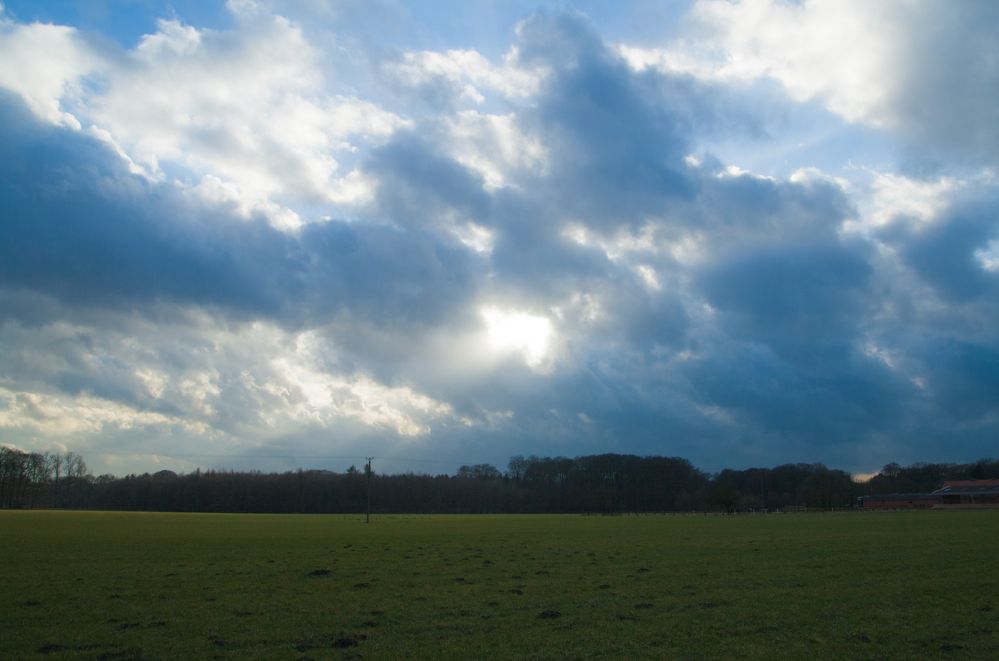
{"x": 763, "y": 491}
{"x": 367, "y": 473}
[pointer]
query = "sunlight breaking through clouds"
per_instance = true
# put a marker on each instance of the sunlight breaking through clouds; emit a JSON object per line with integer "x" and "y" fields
{"x": 511, "y": 331}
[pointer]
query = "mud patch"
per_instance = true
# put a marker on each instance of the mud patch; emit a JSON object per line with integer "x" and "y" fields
{"x": 549, "y": 615}
{"x": 320, "y": 572}
{"x": 129, "y": 654}
{"x": 344, "y": 642}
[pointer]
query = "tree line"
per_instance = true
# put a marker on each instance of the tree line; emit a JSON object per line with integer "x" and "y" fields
{"x": 606, "y": 483}
{"x": 39, "y": 479}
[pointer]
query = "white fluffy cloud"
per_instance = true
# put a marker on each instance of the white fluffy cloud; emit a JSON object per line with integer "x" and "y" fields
{"x": 246, "y": 384}
{"x": 923, "y": 70}
{"x": 246, "y": 108}
{"x": 242, "y": 116}
{"x": 465, "y": 74}
{"x": 62, "y": 416}
{"x": 44, "y": 65}
{"x": 843, "y": 52}
{"x": 495, "y": 147}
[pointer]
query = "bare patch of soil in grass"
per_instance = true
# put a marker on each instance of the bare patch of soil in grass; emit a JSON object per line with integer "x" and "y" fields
{"x": 128, "y": 654}
{"x": 336, "y": 641}
{"x": 345, "y": 642}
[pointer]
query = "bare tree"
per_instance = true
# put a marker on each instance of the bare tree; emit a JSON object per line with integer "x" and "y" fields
{"x": 38, "y": 475}
{"x": 75, "y": 465}
{"x": 55, "y": 461}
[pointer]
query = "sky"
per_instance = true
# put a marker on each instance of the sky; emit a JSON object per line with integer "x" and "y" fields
{"x": 272, "y": 235}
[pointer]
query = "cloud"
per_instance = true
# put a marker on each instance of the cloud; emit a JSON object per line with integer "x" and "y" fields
{"x": 944, "y": 251}
{"x": 243, "y": 252}
{"x": 791, "y": 294}
{"x": 462, "y": 75}
{"x": 242, "y": 113}
{"x": 82, "y": 229}
{"x": 888, "y": 64}
{"x": 495, "y": 147}
{"x": 45, "y": 64}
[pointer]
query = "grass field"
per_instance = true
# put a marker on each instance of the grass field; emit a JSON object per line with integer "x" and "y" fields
{"x": 190, "y": 586}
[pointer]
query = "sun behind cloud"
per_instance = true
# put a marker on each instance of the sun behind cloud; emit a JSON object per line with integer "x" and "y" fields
{"x": 512, "y": 331}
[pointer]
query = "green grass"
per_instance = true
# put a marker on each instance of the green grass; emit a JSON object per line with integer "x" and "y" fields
{"x": 819, "y": 586}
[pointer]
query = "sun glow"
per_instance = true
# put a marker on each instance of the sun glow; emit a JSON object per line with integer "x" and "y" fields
{"x": 511, "y": 331}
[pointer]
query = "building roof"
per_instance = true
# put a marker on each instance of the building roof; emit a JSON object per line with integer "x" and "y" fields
{"x": 972, "y": 483}
{"x": 900, "y": 496}
{"x": 968, "y": 487}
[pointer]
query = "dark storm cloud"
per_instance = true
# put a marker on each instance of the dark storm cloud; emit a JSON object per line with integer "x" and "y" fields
{"x": 619, "y": 138}
{"x": 417, "y": 184}
{"x": 790, "y": 295}
{"x": 840, "y": 397}
{"x": 80, "y": 228}
{"x": 383, "y": 274}
{"x": 964, "y": 379}
{"x": 943, "y": 253}
{"x": 741, "y": 208}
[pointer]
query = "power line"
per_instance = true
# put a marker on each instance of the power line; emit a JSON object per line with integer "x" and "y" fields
{"x": 367, "y": 472}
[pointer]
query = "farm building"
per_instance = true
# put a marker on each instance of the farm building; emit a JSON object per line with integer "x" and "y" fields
{"x": 952, "y": 495}
{"x": 981, "y": 493}
{"x": 898, "y": 501}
